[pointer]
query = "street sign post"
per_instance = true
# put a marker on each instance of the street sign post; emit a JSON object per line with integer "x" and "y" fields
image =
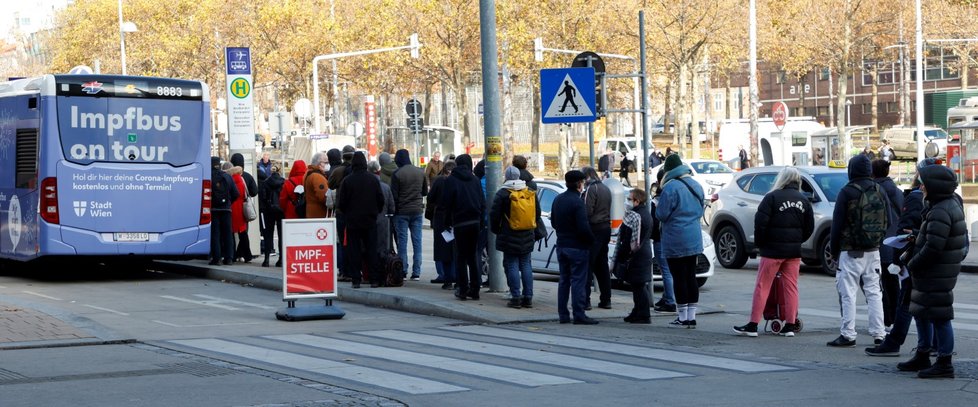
{"x": 780, "y": 114}
{"x": 415, "y": 122}
{"x": 567, "y": 95}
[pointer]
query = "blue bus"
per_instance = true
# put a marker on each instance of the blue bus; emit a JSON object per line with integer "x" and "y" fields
{"x": 104, "y": 166}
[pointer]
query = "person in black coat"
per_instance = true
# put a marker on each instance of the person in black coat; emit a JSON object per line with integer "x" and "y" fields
{"x": 939, "y": 248}
{"x": 634, "y": 253}
{"x": 223, "y": 192}
{"x": 890, "y": 283}
{"x": 442, "y": 252}
{"x": 464, "y": 206}
{"x": 784, "y": 221}
{"x": 244, "y": 244}
{"x": 516, "y": 245}
{"x": 361, "y": 203}
{"x": 271, "y": 212}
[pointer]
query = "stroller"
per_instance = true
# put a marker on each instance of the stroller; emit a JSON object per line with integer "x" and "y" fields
{"x": 773, "y": 307}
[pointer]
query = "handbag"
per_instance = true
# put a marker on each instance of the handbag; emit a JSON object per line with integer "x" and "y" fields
{"x": 250, "y": 209}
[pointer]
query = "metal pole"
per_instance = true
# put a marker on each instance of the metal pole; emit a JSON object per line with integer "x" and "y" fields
{"x": 122, "y": 40}
{"x": 645, "y": 102}
{"x": 490, "y": 98}
{"x": 590, "y": 133}
{"x": 753, "y": 112}
{"x": 334, "y": 120}
{"x": 920, "y": 84}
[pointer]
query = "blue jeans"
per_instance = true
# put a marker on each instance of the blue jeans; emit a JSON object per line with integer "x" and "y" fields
{"x": 943, "y": 334}
{"x": 668, "y": 295}
{"x": 401, "y": 224}
{"x": 518, "y": 271}
{"x": 901, "y": 324}
{"x": 573, "y": 282}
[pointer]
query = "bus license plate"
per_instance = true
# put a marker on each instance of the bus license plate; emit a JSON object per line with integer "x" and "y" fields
{"x": 131, "y": 237}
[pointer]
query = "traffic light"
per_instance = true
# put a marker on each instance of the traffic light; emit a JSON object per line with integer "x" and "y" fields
{"x": 415, "y": 46}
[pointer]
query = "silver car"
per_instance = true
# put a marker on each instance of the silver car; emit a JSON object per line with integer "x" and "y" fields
{"x": 732, "y": 222}
{"x": 544, "y": 256}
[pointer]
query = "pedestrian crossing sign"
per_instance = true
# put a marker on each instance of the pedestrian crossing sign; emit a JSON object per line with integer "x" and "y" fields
{"x": 567, "y": 95}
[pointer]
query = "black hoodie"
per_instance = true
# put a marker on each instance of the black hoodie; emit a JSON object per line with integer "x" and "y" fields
{"x": 238, "y": 161}
{"x": 335, "y": 159}
{"x": 860, "y": 173}
{"x": 360, "y": 198}
{"x": 461, "y": 199}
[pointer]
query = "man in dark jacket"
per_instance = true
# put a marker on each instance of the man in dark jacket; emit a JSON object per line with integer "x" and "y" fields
{"x": 335, "y": 159}
{"x": 859, "y": 264}
{"x": 244, "y": 243}
{"x": 409, "y": 186}
{"x": 464, "y": 206}
{"x": 387, "y": 167}
{"x": 597, "y": 200}
{"x": 568, "y": 216}
{"x": 223, "y": 192}
{"x": 361, "y": 200}
{"x": 264, "y": 170}
{"x": 334, "y": 182}
{"x": 939, "y": 248}
{"x": 516, "y": 245}
{"x": 889, "y": 283}
{"x": 271, "y": 212}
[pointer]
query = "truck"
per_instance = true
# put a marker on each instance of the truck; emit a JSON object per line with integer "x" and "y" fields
{"x": 773, "y": 149}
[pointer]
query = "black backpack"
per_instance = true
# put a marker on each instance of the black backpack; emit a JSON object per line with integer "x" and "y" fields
{"x": 220, "y": 197}
{"x": 299, "y": 202}
{"x": 270, "y": 200}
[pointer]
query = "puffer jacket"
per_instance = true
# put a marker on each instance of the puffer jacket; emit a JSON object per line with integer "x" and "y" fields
{"x": 784, "y": 221}
{"x": 679, "y": 212}
{"x": 940, "y": 247}
{"x": 510, "y": 241}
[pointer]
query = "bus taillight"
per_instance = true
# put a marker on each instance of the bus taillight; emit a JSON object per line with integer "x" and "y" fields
{"x": 49, "y": 200}
{"x": 205, "y": 203}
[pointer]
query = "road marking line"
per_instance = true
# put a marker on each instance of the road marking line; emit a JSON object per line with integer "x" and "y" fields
{"x": 106, "y": 310}
{"x": 865, "y": 317}
{"x": 236, "y": 302}
{"x": 623, "y": 349}
{"x": 206, "y": 303}
{"x": 500, "y": 373}
{"x": 371, "y": 376}
{"x": 42, "y": 295}
{"x": 530, "y": 355}
{"x": 205, "y": 325}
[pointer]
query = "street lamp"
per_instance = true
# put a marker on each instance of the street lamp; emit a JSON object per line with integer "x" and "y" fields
{"x": 848, "y": 112}
{"x": 124, "y": 27}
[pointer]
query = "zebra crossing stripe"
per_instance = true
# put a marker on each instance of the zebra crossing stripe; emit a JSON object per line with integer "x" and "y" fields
{"x": 374, "y": 377}
{"x": 499, "y": 373}
{"x": 864, "y": 317}
{"x": 623, "y": 349}
{"x": 528, "y": 355}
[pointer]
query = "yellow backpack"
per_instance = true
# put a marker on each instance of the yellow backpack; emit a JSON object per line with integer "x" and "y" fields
{"x": 522, "y": 210}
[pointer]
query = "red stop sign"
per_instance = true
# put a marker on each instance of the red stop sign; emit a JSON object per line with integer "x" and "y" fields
{"x": 780, "y": 114}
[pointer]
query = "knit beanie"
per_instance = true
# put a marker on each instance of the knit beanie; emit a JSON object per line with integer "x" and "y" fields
{"x": 512, "y": 173}
{"x": 672, "y": 161}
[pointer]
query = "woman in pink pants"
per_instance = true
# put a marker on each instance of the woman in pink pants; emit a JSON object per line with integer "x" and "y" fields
{"x": 784, "y": 220}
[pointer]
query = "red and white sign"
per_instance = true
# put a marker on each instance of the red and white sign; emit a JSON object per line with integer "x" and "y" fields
{"x": 371, "y": 114}
{"x": 780, "y": 114}
{"x": 309, "y": 266}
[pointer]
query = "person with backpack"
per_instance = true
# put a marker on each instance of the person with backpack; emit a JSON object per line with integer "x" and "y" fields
{"x": 513, "y": 218}
{"x": 784, "y": 221}
{"x": 289, "y": 198}
{"x": 889, "y": 283}
{"x": 223, "y": 193}
{"x": 243, "y": 250}
{"x": 361, "y": 200}
{"x": 679, "y": 211}
{"x": 859, "y": 223}
{"x": 271, "y": 212}
{"x": 597, "y": 200}
{"x": 464, "y": 206}
{"x": 409, "y": 186}
{"x": 634, "y": 254}
{"x": 315, "y": 186}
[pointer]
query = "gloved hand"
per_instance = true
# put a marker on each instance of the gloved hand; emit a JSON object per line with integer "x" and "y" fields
{"x": 893, "y": 269}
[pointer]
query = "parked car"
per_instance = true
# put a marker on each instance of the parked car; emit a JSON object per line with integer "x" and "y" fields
{"x": 544, "y": 256}
{"x": 732, "y": 222}
{"x": 903, "y": 140}
{"x": 711, "y": 174}
{"x": 630, "y": 147}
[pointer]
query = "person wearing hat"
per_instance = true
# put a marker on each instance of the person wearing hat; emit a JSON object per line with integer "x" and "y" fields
{"x": 679, "y": 211}
{"x": 516, "y": 245}
{"x": 223, "y": 193}
{"x": 935, "y": 263}
{"x": 911, "y": 216}
{"x": 568, "y": 216}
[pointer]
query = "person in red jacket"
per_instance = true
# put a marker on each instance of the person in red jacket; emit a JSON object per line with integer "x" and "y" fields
{"x": 238, "y": 222}
{"x": 296, "y": 176}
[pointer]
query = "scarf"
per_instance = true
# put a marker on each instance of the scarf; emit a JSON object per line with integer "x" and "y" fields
{"x": 634, "y": 222}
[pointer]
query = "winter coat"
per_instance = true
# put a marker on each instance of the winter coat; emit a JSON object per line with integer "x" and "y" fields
{"x": 316, "y": 186}
{"x": 442, "y": 250}
{"x": 219, "y": 204}
{"x": 911, "y": 216}
{"x": 335, "y": 159}
{"x": 432, "y": 169}
{"x": 252, "y": 187}
{"x": 510, "y": 241}
{"x": 639, "y": 262}
{"x": 267, "y": 191}
{"x": 462, "y": 200}
{"x": 895, "y": 201}
{"x": 384, "y": 221}
{"x": 597, "y": 200}
{"x": 409, "y": 185}
{"x": 860, "y": 173}
{"x": 360, "y": 198}
{"x": 940, "y": 247}
{"x": 784, "y": 221}
{"x": 527, "y": 177}
{"x": 238, "y": 222}
{"x": 679, "y": 211}
{"x": 264, "y": 171}
{"x": 336, "y": 175}
{"x": 568, "y": 217}
{"x": 296, "y": 176}
{"x": 387, "y": 167}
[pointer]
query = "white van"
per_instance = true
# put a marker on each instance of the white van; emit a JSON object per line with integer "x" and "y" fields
{"x": 771, "y": 142}
{"x": 903, "y": 140}
{"x": 630, "y": 147}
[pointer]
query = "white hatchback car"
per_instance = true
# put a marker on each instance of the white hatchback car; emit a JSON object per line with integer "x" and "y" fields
{"x": 544, "y": 256}
{"x": 712, "y": 175}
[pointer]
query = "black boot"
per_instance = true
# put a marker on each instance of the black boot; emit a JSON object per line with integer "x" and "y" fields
{"x": 942, "y": 369}
{"x": 919, "y": 361}
{"x": 265, "y": 263}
